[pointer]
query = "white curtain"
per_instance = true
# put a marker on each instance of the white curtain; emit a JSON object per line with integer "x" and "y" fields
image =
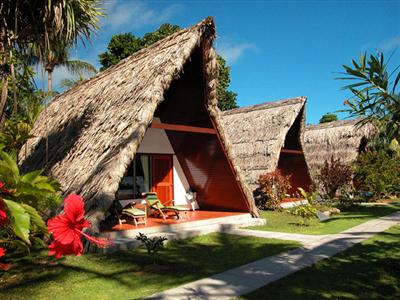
{"x": 144, "y": 159}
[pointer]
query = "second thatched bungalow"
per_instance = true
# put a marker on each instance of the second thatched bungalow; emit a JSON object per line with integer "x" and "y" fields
{"x": 267, "y": 137}
{"x": 149, "y": 123}
{"x": 343, "y": 140}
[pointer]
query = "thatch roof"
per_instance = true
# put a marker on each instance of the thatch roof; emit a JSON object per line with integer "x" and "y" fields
{"x": 340, "y": 139}
{"x": 258, "y": 133}
{"x": 94, "y": 129}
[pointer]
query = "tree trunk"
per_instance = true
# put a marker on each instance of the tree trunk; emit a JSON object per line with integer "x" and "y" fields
{"x": 4, "y": 80}
{"x": 50, "y": 81}
{"x": 15, "y": 99}
{"x": 3, "y": 99}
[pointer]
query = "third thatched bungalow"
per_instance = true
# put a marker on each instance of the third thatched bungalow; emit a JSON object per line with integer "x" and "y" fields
{"x": 149, "y": 123}
{"x": 343, "y": 140}
{"x": 267, "y": 137}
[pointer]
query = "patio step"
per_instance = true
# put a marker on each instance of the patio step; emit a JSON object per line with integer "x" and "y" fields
{"x": 177, "y": 227}
{"x": 124, "y": 240}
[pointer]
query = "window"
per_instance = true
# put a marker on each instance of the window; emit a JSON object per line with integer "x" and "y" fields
{"x": 136, "y": 179}
{"x": 142, "y": 175}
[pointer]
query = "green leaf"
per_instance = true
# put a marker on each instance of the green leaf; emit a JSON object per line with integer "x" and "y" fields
{"x": 20, "y": 220}
{"x": 12, "y": 165}
{"x": 36, "y": 219}
{"x": 31, "y": 177}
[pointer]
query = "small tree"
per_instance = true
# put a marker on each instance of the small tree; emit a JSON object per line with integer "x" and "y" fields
{"x": 274, "y": 187}
{"x": 153, "y": 245}
{"x": 378, "y": 172}
{"x": 328, "y": 117}
{"x": 334, "y": 175}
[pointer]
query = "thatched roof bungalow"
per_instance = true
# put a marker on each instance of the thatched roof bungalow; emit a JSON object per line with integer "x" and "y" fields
{"x": 338, "y": 139}
{"x": 269, "y": 136}
{"x": 154, "y": 109}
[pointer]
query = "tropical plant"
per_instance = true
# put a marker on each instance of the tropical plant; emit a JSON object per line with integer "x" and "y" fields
{"x": 31, "y": 188}
{"x": 153, "y": 245}
{"x": 125, "y": 44}
{"x": 376, "y": 98}
{"x": 274, "y": 187}
{"x": 333, "y": 176}
{"x": 21, "y": 196}
{"x": 306, "y": 212}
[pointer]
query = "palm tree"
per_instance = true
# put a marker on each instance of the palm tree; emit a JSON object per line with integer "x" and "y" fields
{"x": 58, "y": 58}
{"x": 40, "y": 25}
{"x": 68, "y": 83}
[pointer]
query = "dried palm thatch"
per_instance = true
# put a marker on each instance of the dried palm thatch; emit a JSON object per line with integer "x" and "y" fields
{"x": 94, "y": 129}
{"x": 258, "y": 133}
{"x": 338, "y": 139}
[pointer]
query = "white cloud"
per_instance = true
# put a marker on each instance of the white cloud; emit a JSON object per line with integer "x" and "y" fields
{"x": 136, "y": 14}
{"x": 231, "y": 52}
{"x": 391, "y": 44}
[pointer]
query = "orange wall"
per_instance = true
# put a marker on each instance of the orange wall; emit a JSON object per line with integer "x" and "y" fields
{"x": 295, "y": 165}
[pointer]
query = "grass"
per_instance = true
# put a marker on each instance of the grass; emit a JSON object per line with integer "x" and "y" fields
{"x": 131, "y": 275}
{"x": 370, "y": 270}
{"x": 283, "y": 221}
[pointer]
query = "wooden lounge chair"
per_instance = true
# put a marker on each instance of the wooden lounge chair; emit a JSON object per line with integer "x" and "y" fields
{"x": 162, "y": 210}
{"x": 139, "y": 216}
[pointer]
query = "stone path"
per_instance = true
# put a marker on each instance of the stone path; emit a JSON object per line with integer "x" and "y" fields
{"x": 252, "y": 276}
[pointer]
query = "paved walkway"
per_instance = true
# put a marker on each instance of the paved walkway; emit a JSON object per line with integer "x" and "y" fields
{"x": 247, "y": 278}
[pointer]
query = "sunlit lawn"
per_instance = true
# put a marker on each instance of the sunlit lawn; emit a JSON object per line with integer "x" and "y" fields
{"x": 285, "y": 222}
{"x": 131, "y": 275}
{"x": 370, "y": 270}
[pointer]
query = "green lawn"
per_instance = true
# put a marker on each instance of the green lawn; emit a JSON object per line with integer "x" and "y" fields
{"x": 370, "y": 270}
{"x": 283, "y": 221}
{"x": 130, "y": 275}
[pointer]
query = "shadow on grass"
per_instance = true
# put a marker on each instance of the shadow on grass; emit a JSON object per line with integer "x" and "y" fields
{"x": 366, "y": 271}
{"x": 181, "y": 261}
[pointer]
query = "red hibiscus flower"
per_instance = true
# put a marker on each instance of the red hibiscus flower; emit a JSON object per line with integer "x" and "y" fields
{"x": 67, "y": 229}
{"x": 2, "y": 252}
{"x": 3, "y": 266}
{"x": 3, "y": 190}
{"x": 3, "y": 215}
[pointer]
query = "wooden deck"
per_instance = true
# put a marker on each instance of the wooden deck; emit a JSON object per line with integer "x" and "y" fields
{"x": 189, "y": 216}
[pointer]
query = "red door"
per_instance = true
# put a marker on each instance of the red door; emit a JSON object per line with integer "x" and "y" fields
{"x": 162, "y": 178}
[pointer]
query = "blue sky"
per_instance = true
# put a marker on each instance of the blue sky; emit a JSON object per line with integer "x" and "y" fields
{"x": 276, "y": 49}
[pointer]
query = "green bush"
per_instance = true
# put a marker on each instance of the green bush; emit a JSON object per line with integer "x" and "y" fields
{"x": 378, "y": 172}
{"x": 306, "y": 212}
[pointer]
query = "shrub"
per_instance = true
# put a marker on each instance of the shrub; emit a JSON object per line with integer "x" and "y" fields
{"x": 378, "y": 172}
{"x": 309, "y": 196}
{"x": 274, "y": 187}
{"x": 153, "y": 245}
{"x": 306, "y": 212}
{"x": 349, "y": 198}
{"x": 334, "y": 175}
